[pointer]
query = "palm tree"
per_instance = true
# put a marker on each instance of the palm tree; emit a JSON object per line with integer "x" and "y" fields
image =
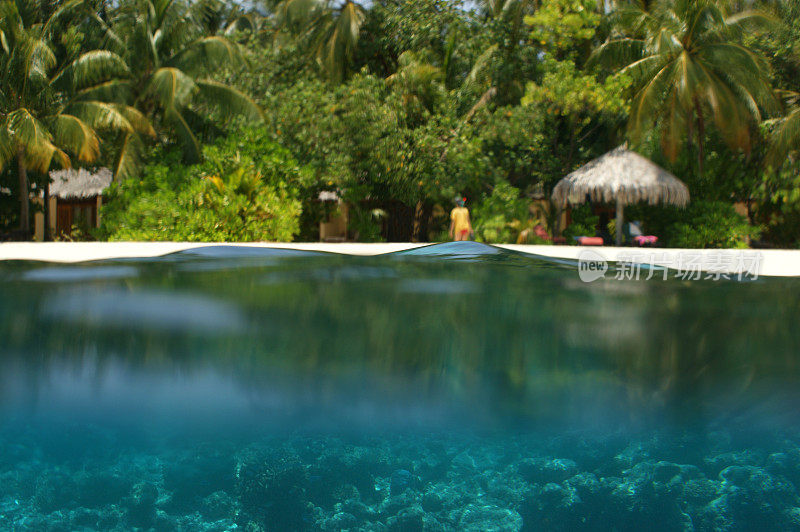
{"x": 173, "y": 63}
{"x": 486, "y": 74}
{"x": 786, "y": 136}
{"x": 501, "y": 9}
{"x": 689, "y": 69}
{"x": 51, "y": 108}
{"x": 330, "y": 28}
{"x": 219, "y": 16}
{"x": 419, "y": 83}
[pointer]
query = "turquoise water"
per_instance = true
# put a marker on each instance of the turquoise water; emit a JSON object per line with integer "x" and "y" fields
{"x": 453, "y": 387}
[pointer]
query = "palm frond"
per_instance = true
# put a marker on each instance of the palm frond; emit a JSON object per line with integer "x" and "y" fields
{"x": 229, "y": 100}
{"x": 293, "y": 14}
{"x": 648, "y": 100}
{"x": 786, "y": 138}
{"x": 92, "y": 68}
{"x": 4, "y": 42}
{"x": 138, "y": 121}
{"x": 644, "y": 68}
{"x": 39, "y": 59}
{"x": 32, "y": 138}
{"x": 336, "y": 36}
{"x": 100, "y": 115}
{"x": 115, "y": 90}
{"x": 25, "y": 129}
{"x": 189, "y": 143}
{"x": 753, "y": 17}
{"x": 129, "y": 159}
{"x": 64, "y": 9}
{"x": 480, "y": 74}
{"x": 617, "y": 52}
{"x": 76, "y": 136}
{"x": 206, "y": 55}
{"x": 171, "y": 87}
{"x": 689, "y": 70}
{"x": 7, "y": 146}
{"x": 111, "y": 39}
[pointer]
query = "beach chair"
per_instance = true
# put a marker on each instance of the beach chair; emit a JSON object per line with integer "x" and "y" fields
{"x": 589, "y": 240}
{"x": 633, "y": 232}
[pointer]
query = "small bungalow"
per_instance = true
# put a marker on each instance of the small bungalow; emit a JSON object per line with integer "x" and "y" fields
{"x": 73, "y": 203}
{"x": 333, "y": 227}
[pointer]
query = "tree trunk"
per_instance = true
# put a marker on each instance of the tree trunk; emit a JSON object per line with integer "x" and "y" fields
{"x": 701, "y": 132}
{"x": 46, "y": 224}
{"x": 400, "y": 223}
{"x": 422, "y": 215}
{"x": 24, "y": 211}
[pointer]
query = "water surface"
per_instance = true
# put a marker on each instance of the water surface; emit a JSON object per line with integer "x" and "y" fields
{"x": 450, "y": 387}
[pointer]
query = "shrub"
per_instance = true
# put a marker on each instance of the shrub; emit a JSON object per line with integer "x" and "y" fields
{"x": 246, "y": 190}
{"x": 584, "y": 223}
{"x": 365, "y": 223}
{"x": 497, "y": 219}
{"x": 711, "y": 224}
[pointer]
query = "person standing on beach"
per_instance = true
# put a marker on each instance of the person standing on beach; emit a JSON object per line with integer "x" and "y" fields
{"x": 460, "y": 226}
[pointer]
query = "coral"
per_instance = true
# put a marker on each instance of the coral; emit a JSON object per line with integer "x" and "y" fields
{"x": 412, "y": 483}
{"x": 490, "y": 519}
{"x": 141, "y": 505}
{"x": 218, "y": 505}
{"x": 544, "y": 470}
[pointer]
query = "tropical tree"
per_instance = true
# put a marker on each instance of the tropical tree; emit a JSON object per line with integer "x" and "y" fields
{"x": 329, "y": 28}
{"x": 689, "y": 69}
{"x": 418, "y": 82}
{"x": 52, "y": 105}
{"x": 497, "y": 72}
{"x": 220, "y": 16}
{"x": 786, "y": 136}
{"x": 173, "y": 63}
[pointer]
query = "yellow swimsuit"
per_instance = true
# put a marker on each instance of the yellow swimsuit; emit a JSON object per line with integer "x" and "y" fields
{"x": 460, "y": 218}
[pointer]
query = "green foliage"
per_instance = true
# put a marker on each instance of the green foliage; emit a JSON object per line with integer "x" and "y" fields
{"x": 439, "y": 27}
{"x": 173, "y": 62}
{"x": 565, "y": 27}
{"x": 328, "y": 32}
{"x": 778, "y": 202}
{"x": 711, "y": 224}
{"x": 365, "y": 223}
{"x": 504, "y": 217}
{"x": 566, "y": 91}
{"x": 497, "y": 218}
{"x": 584, "y": 223}
{"x": 247, "y": 189}
{"x": 702, "y": 224}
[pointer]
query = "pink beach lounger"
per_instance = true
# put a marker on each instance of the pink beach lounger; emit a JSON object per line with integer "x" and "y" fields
{"x": 645, "y": 240}
{"x": 589, "y": 240}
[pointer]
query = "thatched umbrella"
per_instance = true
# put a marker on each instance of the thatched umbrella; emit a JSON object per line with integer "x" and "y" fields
{"x": 624, "y": 177}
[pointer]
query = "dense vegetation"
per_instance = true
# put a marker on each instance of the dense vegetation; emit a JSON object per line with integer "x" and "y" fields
{"x": 226, "y": 122}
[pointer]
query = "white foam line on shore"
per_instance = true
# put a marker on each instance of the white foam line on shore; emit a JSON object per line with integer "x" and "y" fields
{"x": 87, "y": 251}
{"x": 779, "y": 263}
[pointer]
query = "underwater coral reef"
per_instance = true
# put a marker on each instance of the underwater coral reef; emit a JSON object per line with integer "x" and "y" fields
{"x": 718, "y": 480}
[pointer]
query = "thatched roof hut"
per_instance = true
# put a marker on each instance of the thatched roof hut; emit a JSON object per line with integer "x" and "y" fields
{"x": 623, "y": 177}
{"x": 621, "y": 174}
{"x": 72, "y": 184}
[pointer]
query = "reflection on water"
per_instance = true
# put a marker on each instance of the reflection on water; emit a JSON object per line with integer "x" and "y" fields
{"x": 66, "y": 274}
{"x": 450, "y": 387}
{"x": 142, "y": 309}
